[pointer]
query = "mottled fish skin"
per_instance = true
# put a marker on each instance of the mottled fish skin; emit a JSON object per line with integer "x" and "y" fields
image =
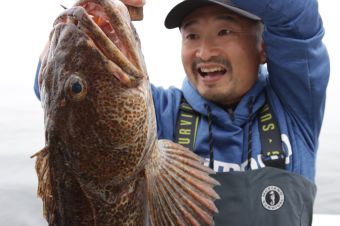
{"x": 102, "y": 164}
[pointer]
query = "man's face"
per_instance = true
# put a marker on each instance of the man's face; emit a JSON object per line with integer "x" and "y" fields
{"x": 221, "y": 53}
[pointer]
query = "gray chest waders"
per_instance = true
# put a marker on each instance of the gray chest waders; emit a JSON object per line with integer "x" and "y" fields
{"x": 264, "y": 197}
{"x": 268, "y": 196}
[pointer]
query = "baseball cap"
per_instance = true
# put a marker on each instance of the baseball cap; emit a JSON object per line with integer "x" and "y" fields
{"x": 180, "y": 11}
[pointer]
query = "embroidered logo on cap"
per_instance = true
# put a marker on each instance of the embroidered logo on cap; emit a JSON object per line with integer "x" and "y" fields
{"x": 272, "y": 198}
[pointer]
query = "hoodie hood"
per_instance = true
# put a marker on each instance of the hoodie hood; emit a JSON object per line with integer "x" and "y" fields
{"x": 255, "y": 98}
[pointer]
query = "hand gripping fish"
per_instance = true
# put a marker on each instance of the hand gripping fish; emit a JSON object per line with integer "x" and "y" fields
{"x": 102, "y": 164}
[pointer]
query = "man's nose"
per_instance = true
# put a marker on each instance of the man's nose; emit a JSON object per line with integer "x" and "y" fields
{"x": 206, "y": 49}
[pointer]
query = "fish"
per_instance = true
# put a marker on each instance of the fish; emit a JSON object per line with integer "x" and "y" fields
{"x": 102, "y": 163}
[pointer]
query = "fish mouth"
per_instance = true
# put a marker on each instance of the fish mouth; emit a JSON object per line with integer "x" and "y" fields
{"x": 110, "y": 31}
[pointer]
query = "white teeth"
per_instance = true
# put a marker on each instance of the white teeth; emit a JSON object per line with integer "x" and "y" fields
{"x": 210, "y": 70}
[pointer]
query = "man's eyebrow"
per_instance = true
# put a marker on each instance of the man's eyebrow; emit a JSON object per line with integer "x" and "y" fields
{"x": 188, "y": 23}
{"x": 224, "y": 17}
{"x": 230, "y": 18}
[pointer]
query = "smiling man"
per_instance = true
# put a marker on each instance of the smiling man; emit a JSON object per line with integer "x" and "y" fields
{"x": 256, "y": 79}
{"x": 221, "y": 53}
{"x": 252, "y": 103}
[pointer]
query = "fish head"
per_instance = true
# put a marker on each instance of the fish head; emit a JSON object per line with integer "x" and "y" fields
{"x": 98, "y": 107}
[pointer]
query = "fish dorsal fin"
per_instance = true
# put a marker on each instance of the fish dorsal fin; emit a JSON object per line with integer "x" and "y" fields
{"x": 180, "y": 190}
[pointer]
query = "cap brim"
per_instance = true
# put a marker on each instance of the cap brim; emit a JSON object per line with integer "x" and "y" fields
{"x": 180, "y": 11}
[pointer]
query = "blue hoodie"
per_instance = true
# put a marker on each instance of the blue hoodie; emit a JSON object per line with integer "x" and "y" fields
{"x": 295, "y": 82}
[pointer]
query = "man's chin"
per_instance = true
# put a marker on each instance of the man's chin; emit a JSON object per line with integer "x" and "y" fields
{"x": 221, "y": 99}
{"x": 211, "y": 95}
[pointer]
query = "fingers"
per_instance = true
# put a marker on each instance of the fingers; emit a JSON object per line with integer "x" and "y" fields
{"x": 135, "y": 3}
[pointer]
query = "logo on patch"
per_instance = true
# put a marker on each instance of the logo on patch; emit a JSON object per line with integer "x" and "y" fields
{"x": 272, "y": 198}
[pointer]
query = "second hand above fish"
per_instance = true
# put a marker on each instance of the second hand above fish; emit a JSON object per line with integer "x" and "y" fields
{"x": 102, "y": 164}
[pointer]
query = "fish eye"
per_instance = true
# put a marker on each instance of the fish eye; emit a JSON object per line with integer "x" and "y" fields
{"x": 76, "y": 87}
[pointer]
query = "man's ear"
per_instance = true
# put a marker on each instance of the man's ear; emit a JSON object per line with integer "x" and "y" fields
{"x": 262, "y": 51}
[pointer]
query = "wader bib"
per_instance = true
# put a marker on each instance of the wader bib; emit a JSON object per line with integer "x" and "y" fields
{"x": 269, "y": 196}
{"x": 264, "y": 197}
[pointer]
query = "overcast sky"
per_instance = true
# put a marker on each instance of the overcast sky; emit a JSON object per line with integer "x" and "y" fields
{"x": 25, "y": 26}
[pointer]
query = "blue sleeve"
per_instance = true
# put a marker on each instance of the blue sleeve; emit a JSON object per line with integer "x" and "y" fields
{"x": 36, "y": 82}
{"x": 166, "y": 102}
{"x": 297, "y": 60}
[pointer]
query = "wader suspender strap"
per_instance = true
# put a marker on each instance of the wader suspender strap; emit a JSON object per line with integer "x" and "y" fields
{"x": 272, "y": 153}
{"x": 187, "y": 124}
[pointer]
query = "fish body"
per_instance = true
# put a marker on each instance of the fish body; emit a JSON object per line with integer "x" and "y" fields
{"x": 102, "y": 164}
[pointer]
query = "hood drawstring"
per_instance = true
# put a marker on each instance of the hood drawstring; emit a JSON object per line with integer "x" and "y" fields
{"x": 210, "y": 137}
{"x": 250, "y": 131}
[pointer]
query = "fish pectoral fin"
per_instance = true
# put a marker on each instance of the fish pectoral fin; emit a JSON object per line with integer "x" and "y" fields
{"x": 42, "y": 168}
{"x": 180, "y": 190}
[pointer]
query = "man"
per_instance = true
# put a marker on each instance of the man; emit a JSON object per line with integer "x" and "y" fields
{"x": 222, "y": 51}
{"x": 249, "y": 101}
{"x": 249, "y": 116}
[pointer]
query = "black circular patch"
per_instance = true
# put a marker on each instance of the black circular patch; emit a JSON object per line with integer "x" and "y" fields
{"x": 272, "y": 198}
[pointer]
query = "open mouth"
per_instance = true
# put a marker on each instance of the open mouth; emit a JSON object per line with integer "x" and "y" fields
{"x": 98, "y": 15}
{"x": 110, "y": 33}
{"x": 211, "y": 71}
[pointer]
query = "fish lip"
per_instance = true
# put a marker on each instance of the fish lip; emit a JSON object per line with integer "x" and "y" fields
{"x": 127, "y": 66}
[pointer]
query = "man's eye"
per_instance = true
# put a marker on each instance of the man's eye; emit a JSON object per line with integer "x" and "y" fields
{"x": 191, "y": 36}
{"x": 224, "y": 32}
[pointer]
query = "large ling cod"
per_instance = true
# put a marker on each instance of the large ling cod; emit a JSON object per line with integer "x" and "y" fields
{"x": 102, "y": 164}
